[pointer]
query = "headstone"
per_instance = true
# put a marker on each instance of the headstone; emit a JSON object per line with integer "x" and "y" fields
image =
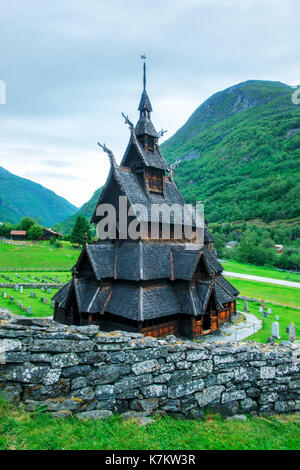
{"x": 16, "y": 287}
{"x": 292, "y": 332}
{"x": 46, "y": 301}
{"x": 52, "y": 304}
{"x": 265, "y": 314}
{"x": 4, "y": 295}
{"x": 21, "y": 289}
{"x": 42, "y": 299}
{"x": 11, "y": 298}
{"x": 29, "y": 310}
{"x": 277, "y": 318}
{"x": 269, "y": 311}
{"x": 246, "y": 306}
{"x": 275, "y": 329}
{"x": 261, "y": 310}
{"x": 31, "y": 294}
{"x": 49, "y": 290}
{"x": 19, "y": 303}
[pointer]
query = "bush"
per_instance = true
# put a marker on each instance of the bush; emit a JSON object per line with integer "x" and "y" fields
{"x": 35, "y": 232}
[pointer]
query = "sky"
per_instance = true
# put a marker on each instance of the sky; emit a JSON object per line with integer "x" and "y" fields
{"x": 71, "y": 67}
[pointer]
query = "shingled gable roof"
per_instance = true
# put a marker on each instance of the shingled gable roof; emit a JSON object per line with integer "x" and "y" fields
{"x": 143, "y": 302}
{"x": 151, "y": 159}
{"x": 62, "y": 293}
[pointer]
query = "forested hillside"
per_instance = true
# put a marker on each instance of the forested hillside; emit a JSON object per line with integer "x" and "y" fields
{"x": 20, "y": 197}
{"x": 240, "y": 154}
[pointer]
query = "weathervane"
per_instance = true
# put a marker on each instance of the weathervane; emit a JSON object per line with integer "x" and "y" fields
{"x": 143, "y": 57}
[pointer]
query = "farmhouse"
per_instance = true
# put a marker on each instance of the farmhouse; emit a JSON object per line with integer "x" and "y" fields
{"x": 48, "y": 233}
{"x": 151, "y": 284}
{"x": 18, "y": 234}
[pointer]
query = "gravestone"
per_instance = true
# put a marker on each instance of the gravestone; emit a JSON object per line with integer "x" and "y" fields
{"x": 16, "y": 287}
{"x": 269, "y": 311}
{"x": 11, "y": 298}
{"x": 49, "y": 290}
{"x": 277, "y": 318}
{"x": 29, "y": 310}
{"x": 292, "y": 332}
{"x": 21, "y": 289}
{"x": 261, "y": 310}
{"x": 4, "y": 295}
{"x": 246, "y": 306}
{"x": 275, "y": 329}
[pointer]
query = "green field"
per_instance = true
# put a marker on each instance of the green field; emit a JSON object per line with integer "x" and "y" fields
{"x": 243, "y": 268}
{"x": 38, "y": 308}
{"x": 280, "y": 294}
{"x": 39, "y": 431}
{"x": 39, "y": 256}
{"x": 286, "y": 316}
{"x": 35, "y": 277}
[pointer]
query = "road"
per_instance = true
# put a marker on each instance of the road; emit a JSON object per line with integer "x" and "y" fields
{"x": 268, "y": 280}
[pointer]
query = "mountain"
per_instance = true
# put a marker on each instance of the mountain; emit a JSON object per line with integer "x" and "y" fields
{"x": 87, "y": 210}
{"x": 20, "y": 197}
{"x": 240, "y": 155}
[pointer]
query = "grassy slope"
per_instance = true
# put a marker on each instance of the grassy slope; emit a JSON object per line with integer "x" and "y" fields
{"x": 20, "y": 197}
{"x": 36, "y": 431}
{"x": 243, "y": 268}
{"x": 286, "y": 316}
{"x": 37, "y": 257}
{"x": 38, "y": 308}
{"x": 280, "y": 294}
{"x": 240, "y": 153}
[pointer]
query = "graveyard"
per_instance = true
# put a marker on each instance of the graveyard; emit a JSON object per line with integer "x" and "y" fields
{"x": 36, "y": 296}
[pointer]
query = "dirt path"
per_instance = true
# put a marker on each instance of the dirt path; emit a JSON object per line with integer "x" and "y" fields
{"x": 268, "y": 280}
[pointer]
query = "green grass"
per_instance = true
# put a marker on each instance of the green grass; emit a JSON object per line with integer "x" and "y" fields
{"x": 35, "y": 277}
{"x": 243, "y": 268}
{"x": 289, "y": 296}
{"x": 38, "y": 308}
{"x": 40, "y": 256}
{"x": 37, "y": 431}
{"x": 286, "y": 316}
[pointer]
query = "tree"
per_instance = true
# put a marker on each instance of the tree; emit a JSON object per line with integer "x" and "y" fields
{"x": 26, "y": 223}
{"x": 81, "y": 231}
{"x": 5, "y": 229}
{"x": 35, "y": 232}
{"x": 220, "y": 242}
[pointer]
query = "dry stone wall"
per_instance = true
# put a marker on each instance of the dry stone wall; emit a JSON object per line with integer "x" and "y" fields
{"x": 81, "y": 370}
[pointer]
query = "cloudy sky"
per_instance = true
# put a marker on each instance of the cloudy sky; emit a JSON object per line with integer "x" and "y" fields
{"x": 72, "y": 66}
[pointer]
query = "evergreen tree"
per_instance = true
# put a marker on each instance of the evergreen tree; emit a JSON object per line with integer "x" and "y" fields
{"x": 81, "y": 231}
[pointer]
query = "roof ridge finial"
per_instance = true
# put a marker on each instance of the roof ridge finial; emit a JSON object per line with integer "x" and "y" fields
{"x": 143, "y": 57}
{"x": 110, "y": 154}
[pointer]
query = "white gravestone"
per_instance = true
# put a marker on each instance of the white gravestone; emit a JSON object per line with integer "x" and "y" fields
{"x": 275, "y": 329}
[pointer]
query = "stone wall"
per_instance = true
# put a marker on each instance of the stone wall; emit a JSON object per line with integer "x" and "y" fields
{"x": 69, "y": 369}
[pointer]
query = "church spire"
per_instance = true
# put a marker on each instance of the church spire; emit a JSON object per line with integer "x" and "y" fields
{"x": 144, "y": 125}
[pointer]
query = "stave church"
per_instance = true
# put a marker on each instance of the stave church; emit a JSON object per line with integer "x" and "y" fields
{"x": 150, "y": 283}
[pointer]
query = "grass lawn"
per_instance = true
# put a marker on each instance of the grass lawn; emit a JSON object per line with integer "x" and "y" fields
{"x": 39, "y": 431}
{"x": 40, "y": 256}
{"x": 286, "y": 316}
{"x": 243, "y": 268}
{"x": 38, "y": 308}
{"x": 281, "y": 294}
{"x": 35, "y": 277}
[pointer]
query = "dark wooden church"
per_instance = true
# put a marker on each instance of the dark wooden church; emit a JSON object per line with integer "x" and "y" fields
{"x": 152, "y": 285}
